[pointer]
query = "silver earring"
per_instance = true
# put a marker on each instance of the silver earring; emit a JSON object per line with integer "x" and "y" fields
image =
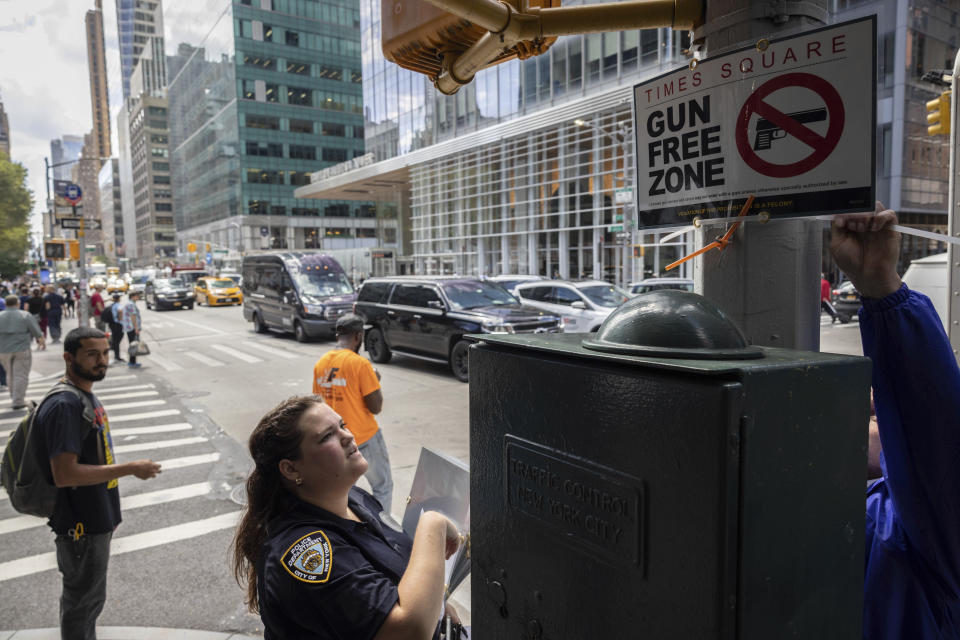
{"x": 299, "y": 481}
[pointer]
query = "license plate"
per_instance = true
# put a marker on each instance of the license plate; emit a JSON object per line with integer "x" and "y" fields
{"x": 176, "y": 304}
{"x": 850, "y": 296}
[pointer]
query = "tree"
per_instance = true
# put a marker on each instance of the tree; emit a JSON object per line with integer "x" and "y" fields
{"x": 16, "y": 202}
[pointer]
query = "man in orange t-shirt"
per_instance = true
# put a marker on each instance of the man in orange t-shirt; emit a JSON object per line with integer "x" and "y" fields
{"x": 351, "y": 386}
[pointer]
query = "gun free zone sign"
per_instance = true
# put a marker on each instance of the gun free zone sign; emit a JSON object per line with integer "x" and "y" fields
{"x": 790, "y": 121}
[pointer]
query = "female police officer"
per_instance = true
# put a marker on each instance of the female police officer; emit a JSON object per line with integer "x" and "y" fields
{"x": 317, "y": 560}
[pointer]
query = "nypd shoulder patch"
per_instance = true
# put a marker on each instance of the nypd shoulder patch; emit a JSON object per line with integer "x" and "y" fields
{"x": 310, "y": 558}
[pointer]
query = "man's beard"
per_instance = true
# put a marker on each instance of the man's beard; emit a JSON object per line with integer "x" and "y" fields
{"x": 87, "y": 374}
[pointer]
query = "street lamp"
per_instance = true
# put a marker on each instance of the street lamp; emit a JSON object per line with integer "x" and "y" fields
{"x": 239, "y": 228}
{"x": 620, "y": 137}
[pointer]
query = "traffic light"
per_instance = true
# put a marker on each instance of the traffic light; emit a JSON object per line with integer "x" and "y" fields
{"x": 74, "y": 249}
{"x": 938, "y": 116}
{"x": 191, "y": 247}
{"x": 54, "y": 250}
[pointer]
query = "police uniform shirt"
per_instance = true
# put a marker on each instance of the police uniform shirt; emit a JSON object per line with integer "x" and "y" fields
{"x": 321, "y": 576}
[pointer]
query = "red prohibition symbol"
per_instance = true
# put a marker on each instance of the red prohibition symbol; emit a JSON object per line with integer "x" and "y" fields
{"x": 822, "y": 146}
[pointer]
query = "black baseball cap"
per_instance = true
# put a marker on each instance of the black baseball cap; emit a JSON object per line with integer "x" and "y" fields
{"x": 349, "y": 324}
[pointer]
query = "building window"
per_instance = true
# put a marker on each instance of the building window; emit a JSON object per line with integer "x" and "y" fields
{"x": 292, "y": 38}
{"x": 298, "y": 179}
{"x": 334, "y": 155}
{"x": 337, "y": 210}
{"x": 270, "y": 64}
{"x": 264, "y": 176}
{"x": 332, "y": 129}
{"x": 337, "y": 232}
{"x": 161, "y": 166}
{"x": 163, "y": 206}
{"x": 255, "y": 207}
{"x": 159, "y": 152}
{"x": 304, "y": 211}
{"x": 300, "y": 96}
{"x": 262, "y": 122}
{"x": 161, "y": 179}
{"x": 301, "y": 126}
{"x": 157, "y": 138}
{"x": 157, "y": 111}
{"x": 367, "y": 211}
{"x": 248, "y": 88}
{"x": 273, "y": 93}
{"x": 358, "y": 131}
{"x": 278, "y": 210}
{"x": 267, "y": 33}
{"x": 330, "y": 73}
{"x": 298, "y": 68}
{"x": 311, "y": 238}
{"x": 356, "y": 77}
{"x": 265, "y": 149}
{"x": 303, "y": 152}
{"x": 162, "y": 193}
{"x": 366, "y": 232}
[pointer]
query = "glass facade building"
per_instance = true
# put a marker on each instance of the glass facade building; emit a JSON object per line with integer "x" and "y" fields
{"x": 262, "y": 95}
{"x": 500, "y": 178}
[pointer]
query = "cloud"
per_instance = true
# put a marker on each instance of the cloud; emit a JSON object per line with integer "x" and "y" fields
{"x": 28, "y": 22}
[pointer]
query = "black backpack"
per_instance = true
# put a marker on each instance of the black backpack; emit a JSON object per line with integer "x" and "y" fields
{"x": 24, "y": 467}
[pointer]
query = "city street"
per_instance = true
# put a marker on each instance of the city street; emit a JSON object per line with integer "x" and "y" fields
{"x": 191, "y": 406}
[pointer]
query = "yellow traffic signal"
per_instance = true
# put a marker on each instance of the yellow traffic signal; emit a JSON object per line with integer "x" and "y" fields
{"x": 54, "y": 250}
{"x": 74, "y": 249}
{"x": 191, "y": 247}
{"x": 208, "y": 247}
{"x": 938, "y": 116}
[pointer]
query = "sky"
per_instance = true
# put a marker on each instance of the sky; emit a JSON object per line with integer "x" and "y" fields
{"x": 44, "y": 84}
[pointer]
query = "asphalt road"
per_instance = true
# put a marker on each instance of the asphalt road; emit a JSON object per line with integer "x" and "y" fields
{"x": 192, "y": 406}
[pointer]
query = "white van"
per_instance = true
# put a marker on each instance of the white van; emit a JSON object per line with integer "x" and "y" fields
{"x": 929, "y": 277}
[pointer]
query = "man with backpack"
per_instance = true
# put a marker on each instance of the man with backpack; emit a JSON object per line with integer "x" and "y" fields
{"x": 73, "y": 433}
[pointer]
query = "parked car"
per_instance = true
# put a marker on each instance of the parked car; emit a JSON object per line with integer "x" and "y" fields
{"x": 846, "y": 301}
{"x": 168, "y": 293}
{"x": 510, "y": 281}
{"x": 655, "y": 284}
{"x": 300, "y": 292}
{"x": 582, "y": 305}
{"x": 215, "y": 292}
{"x": 427, "y": 317}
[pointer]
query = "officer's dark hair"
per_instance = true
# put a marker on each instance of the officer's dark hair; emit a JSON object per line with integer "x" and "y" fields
{"x": 74, "y": 339}
{"x": 277, "y": 437}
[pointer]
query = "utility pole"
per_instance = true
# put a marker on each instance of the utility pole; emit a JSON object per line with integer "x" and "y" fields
{"x": 769, "y": 283}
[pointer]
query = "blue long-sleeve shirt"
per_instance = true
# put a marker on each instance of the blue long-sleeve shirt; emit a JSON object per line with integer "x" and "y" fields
{"x": 912, "y": 573}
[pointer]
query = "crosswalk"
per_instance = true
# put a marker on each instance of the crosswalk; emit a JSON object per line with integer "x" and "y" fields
{"x": 213, "y": 354}
{"x": 187, "y": 500}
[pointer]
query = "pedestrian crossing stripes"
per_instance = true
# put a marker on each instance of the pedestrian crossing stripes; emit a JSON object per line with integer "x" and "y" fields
{"x": 158, "y": 444}
{"x": 236, "y": 354}
{"x": 202, "y": 359}
{"x": 169, "y": 365}
{"x": 142, "y": 431}
{"x": 138, "y": 501}
{"x": 136, "y": 542}
{"x": 280, "y": 353}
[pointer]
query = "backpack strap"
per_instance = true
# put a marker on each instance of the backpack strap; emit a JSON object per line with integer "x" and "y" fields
{"x": 64, "y": 384}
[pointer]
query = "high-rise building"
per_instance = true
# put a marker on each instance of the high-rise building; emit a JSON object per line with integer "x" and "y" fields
{"x": 156, "y": 239}
{"x": 97, "y": 68}
{"x": 138, "y": 21}
{"x": 4, "y": 131}
{"x": 63, "y": 151}
{"x": 519, "y": 171}
{"x": 86, "y": 173}
{"x": 265, "y": 93}
{"x": 111, "y": 212}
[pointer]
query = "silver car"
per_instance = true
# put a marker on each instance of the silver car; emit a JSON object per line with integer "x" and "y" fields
{"x": 583, "y": 305}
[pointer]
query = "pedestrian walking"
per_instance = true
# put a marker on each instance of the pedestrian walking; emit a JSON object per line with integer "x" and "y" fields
{"x": 53, "y": 303}
{"x": 24, "y": 297}
{"x": 825, "y": 304}
{"x": 113, "y": 314}
{"x": 351, "y": 386}
{"x": 130, "y": 317}
{"x": 17, "y": 327}
{"x": 85, "y": 472}
{"x": 96, "y": 304}
{"x": 36, "y": 305}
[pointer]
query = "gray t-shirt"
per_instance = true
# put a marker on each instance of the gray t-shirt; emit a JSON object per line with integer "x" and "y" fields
{"x": 16, "y": 329}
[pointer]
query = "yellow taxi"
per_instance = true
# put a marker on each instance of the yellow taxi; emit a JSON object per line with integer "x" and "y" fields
{"x": 116, "y": 284}
{"x": 216, "y": 292}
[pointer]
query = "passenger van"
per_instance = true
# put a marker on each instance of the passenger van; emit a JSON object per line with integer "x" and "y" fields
{"x": 298, "y": 292}
{"x": 929, "y": 277}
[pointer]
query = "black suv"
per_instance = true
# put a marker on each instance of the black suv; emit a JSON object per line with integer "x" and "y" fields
{"x": 168, "y": 293}
{"x": 427, "y": 317}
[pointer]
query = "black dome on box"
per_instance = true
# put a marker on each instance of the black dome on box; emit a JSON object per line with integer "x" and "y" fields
{"x": 672, "y": 324}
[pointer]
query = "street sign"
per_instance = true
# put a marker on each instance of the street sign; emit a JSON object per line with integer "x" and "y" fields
{"x": 76, "y": 222}
{"x": 73, "y": 193}
{"x": 623, "y": 196}
{"x": 623, "y": 235}
{"x": 209, "y": 258}
{"x": 615, "y": 227}
{"x": 264, "y": 232}
{"x": 790, "y": 121}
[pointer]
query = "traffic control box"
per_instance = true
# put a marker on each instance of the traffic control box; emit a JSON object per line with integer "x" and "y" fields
{"x": 662, "y": 479}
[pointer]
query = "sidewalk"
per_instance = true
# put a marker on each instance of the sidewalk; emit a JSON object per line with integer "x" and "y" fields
{"x": 129, "y": 633}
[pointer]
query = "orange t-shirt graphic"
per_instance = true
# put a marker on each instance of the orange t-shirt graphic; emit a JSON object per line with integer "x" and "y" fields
{"x": 343, "y": 378}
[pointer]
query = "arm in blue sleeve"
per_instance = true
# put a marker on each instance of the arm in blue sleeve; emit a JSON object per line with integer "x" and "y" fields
{"x": 916, "y": 384}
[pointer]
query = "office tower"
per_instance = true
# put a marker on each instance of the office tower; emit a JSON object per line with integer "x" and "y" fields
{"x": 138, "y": 21}
{"x": 99, "y": 95}
{"x": 64, "y": 150}
{"x": 111, "y": 213}
{"x": 268, "y": 92}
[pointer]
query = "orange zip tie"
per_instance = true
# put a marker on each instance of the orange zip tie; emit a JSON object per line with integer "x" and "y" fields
{"x": 720, "y": 243}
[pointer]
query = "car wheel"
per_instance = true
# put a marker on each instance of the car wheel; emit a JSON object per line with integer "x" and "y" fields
{"x": 189, "y": 306}
{"x": 147, "y": 302}
{"x": 459, "y": 361}
{"x": 258, "y": 325}
{"x": 377, "y": 347}
{"x": 844, "y": 318}
{"x": 300, "y": 333}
